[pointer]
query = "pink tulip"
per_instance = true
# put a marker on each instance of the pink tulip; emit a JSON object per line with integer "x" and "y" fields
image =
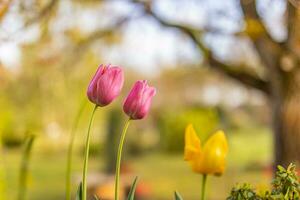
{"x": 106, "y": 85}
{"x": 139, "y": 100}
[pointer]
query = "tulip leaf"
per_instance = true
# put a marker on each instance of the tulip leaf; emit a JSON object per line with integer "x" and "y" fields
{"x": 177, "y": 196}
{"x": 132, "y": 189}
{"x": 79, "y": 192}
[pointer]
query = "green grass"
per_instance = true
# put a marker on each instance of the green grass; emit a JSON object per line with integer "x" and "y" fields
{"x": 47, "y": 176}
{"x": 250, "y": 150}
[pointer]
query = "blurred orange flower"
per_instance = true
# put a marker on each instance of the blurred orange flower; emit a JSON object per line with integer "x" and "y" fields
{"x": 211, "y": 159}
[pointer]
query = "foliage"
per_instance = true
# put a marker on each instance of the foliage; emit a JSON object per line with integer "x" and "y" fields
{"x": 172, "y": 125}
{"x": 241, "y": 192}
{"x": 79, "y": 192}
{"x": 286, "y": 186}
{"x": 177, "y": 196}
{"x": 132, "y": 190}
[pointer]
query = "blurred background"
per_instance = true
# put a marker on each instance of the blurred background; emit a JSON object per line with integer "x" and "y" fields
{"x": 231, "y": 65}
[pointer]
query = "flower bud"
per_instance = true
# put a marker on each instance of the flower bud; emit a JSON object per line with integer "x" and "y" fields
{"x": 209, "y": 159}
{"x": 106, "y": 85}
{"x": 138, "y": 101}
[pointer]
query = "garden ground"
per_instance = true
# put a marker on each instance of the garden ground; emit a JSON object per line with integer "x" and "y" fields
{"x": 249, "y": 160}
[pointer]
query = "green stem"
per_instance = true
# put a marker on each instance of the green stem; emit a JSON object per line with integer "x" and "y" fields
{"x": 119, "y": 157}
{"x": 86, "y": 158}
{"x": 70, "y": 149}
{"x": 204, "y": 179}
{"x": 2, "y": 174}
{"x": 24, "y": 167}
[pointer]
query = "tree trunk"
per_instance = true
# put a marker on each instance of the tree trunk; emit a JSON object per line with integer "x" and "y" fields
{"x": 286, "y": 104}
{"x": 286, "y": 121}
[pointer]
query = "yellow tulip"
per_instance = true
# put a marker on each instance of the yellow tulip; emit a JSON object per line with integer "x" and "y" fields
{"x": 211, "y": 159}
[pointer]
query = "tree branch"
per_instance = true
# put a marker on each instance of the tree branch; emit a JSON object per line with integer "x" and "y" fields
{"x": 102, "y": 33}
{"x": 250, "y": 13}
{"x": 293, "y": 24}
{"x": 243, "y": 77}
{"x": 82, "y": 45}
{"x": 43, "y": 13}
{"x": 4, "y": 5}
{"x": 269, "y": 50}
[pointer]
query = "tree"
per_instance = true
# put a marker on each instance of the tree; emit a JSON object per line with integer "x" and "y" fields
{"x": 280, "y": 61}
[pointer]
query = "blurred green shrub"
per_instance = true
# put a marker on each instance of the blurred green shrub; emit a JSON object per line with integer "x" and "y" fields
{"x": 15, "y": 124}
{"x": 171, "y": 125}
{"x": 11, "y": 135}
{"x": 96, "y": 149}
{"x": 114, "y": 128}
{"x": 11, "y": 138}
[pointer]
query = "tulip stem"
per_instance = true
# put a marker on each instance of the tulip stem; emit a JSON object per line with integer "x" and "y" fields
{"x": 24, "y": 167}
{"x": 204, "y": 179}
{"x": 2, "y": 174}
{"x": 119, "y": 156}
{"x": 70, "y": 149}
{"x": 86, "y": 153}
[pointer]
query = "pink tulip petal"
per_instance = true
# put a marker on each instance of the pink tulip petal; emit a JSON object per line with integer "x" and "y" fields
{"x": 138, "y": 102}
{"x": 106, "y": 85}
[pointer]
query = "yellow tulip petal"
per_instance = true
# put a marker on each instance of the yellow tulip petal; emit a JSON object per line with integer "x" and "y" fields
{"x": 192, "y": 143}
{"x": 218, "y": 139}
{"x": 214, "y": 154}
{"x": 197, "y": 164}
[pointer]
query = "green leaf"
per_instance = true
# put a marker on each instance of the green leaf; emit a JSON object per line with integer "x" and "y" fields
{"x": 177, "y": 196}
{"x": 96, "y": 197}
{"x": 280, "y": 168}
{"x": 132, "y": 190}
{"x": 79, "y": 192}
